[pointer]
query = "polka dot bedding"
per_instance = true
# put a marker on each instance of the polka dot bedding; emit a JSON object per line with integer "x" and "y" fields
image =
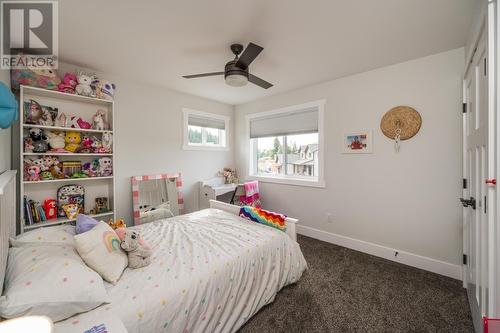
{"x": 210, "y": 272}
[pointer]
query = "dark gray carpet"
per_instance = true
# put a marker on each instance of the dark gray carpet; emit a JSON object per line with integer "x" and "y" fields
{"x": 348, "y": 291}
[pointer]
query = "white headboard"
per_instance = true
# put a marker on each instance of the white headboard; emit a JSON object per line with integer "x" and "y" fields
{"x": 7, "y": 217}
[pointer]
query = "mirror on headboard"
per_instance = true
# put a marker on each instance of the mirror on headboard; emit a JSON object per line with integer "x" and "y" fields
{"x": 157, "y": 197}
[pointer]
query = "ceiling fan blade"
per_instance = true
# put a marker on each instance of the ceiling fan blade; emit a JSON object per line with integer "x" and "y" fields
{"x": 249, "y": 55}
{"x": 258, "y": 81}
{"x": 202, "y": 75}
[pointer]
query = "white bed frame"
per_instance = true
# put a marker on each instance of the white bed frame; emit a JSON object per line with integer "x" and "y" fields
{"x": 7, "y": 217}
{"x": 233, "y": 209}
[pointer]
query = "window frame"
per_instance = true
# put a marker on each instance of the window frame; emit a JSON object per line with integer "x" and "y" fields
{"x": 281, "y": 178}
{"x": 223, "y": 134}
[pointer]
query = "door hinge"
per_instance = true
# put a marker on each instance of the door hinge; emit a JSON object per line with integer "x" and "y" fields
{"x": 485, "y": 204}
{"x": 484, "y": 66}
{"x": 464, "y": 107}
{"x": 464, "y": 183}
{"x": 464, "y": 259}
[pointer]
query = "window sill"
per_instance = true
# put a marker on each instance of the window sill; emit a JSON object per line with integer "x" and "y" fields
{"x": 202, "y": 147}
{"x": 289, "y": 181}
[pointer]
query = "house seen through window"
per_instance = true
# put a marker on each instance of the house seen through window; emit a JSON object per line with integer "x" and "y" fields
{"x": 286, "y": 144}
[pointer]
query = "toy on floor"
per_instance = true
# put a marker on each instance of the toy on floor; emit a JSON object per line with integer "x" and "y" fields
{"x": 139, "y": 253}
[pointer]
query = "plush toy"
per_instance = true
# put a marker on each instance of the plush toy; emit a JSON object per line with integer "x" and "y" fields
{"x": 107, "y": 141}
{"x": 68, "y": 84}
{"x": 104, "y": 89}
{"x": 139, "y": 253}
{"x": 120, "y": 223}
{"x": 46, "y": 175}
{"x": 61, "y": 120}
{"x": 84, "y": 87}
{"x": 46, "y": 119}
{"x": 105, "y": 167}
{"x": 33, "y": 173}
{"x": 71, "y": 210}
{"x": 99, "y": 120}
{"x": 50, "y": 208}
{"x": 73, "y": 140}
{"x": 28, "y": 145}
{"x": 90, "y": 168}
{"x": 46, "y": 78}
{"x": 56, "y": 140}
{"x": 32, "y": 112}
{"x": 39, "y": 143}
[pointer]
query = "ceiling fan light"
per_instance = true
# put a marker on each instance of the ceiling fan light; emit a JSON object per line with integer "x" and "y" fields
{"x": 236, "y": 80}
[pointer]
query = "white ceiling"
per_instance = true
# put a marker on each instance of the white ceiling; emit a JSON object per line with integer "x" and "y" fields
{"x": 305, "y": 41}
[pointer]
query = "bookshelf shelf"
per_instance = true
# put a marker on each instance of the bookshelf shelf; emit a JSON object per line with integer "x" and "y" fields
{"x": 36, "y": 192}
{"x": 62, "y": 221}
{"x": 66, "y": 129}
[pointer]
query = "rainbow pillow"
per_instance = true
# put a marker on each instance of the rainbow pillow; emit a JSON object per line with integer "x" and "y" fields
{"x": 262, "y": 216}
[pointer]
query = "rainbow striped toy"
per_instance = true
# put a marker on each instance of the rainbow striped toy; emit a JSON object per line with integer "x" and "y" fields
{"x": 262, "y": 216}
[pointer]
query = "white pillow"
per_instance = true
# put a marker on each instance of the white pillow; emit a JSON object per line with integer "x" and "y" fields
{"x": 55, "y": 235}
{"x": 100, "y": 249}
{"x": 51, "y": 281}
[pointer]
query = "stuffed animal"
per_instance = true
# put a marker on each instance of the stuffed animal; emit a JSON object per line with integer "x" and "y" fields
{"x": 33, "y": 173}
{"x": 84, "y": 87}
{"x": 120, "y": 223}
{"x": 39, "y": 143}
{"x": 46, "y": 175}
{"x": 107, "y": 141}
{"x": 104, "y": 89}
{"x": 61, "y": 120}
{"x": 68, "y": 84}
{"x": 73, "y": 140}
{"x": 46, "y": 119}
{"x": 99, "y": 120}
{"x": 105, "y": 167}
{"x": 28, "y": 145}
{"x": 90, "y": 168}
{"x": 139, "y": 254}
{"x": 56, "y": 139}
{"x": 50, "y": 208}
{"x": 32, "y": 112}
{"x": 46, "y": 78}
{"x": 71, "y": 210}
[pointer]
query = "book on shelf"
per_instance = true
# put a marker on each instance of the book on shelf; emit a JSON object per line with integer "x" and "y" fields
{"x": 33, "y": 212}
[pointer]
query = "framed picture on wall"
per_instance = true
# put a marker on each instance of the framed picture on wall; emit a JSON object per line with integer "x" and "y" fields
{"x": 357, "y": 142}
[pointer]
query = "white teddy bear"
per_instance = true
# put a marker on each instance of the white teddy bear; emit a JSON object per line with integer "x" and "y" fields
{"x": 139, "y": 254}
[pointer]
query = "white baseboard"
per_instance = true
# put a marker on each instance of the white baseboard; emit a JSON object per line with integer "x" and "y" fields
{"x": 410, "y": 259}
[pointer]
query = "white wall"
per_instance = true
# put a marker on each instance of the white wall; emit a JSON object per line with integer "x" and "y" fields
{"x": 5, "y": 141}
{"x": 148, "y": 125}
{"x": 406, "y": 200}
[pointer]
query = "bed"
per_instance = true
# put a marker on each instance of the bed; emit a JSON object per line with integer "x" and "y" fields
{"x": 211, "y": 271}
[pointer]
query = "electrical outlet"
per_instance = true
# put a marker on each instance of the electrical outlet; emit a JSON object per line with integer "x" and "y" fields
{"x": 329, "y": 217}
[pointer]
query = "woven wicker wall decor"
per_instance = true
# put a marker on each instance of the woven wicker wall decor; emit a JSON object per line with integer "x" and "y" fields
{"x": 406, "y": 118}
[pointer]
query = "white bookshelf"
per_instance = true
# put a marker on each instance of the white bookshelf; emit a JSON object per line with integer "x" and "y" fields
{"x": 70, "y": 104}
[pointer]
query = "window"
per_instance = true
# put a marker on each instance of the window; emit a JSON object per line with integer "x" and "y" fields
{"x": 286, "y": 145}
{"x": 204, "y": 130}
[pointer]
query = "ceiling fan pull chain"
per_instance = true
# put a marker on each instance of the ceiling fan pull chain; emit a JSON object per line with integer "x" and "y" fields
{"x": 397, "y": 139}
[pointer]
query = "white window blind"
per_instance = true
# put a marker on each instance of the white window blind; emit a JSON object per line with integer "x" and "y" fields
{"x": 201, "y": 121}
{"x": 294, "y": 122}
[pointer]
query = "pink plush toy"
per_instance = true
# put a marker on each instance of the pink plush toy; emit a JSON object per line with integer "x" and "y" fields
{"x": 33, "y": 173}
{"x": 69, "y": 83}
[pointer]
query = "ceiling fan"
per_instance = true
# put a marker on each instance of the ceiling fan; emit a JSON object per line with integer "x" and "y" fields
{"x": 236, "y": 71}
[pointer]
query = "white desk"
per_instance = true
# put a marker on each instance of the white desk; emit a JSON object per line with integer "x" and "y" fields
{"x": 212, "y": 188}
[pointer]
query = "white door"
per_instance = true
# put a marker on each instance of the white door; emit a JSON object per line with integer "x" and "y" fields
{"x": 476, "y": 194}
